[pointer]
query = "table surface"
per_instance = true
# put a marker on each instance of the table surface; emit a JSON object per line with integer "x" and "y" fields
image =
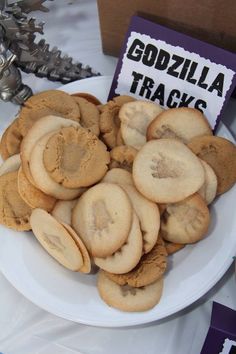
{"x": 73, "y": 26}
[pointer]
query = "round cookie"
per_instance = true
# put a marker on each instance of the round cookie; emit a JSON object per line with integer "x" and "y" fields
{"x": 135, "y": 118}
{"x": 119, "y": 140}
{"x": 41, "y": 178}
{"x": 110, "y": 123}
{"x": 12, "y": 163}
{"x": 87, "y": 266}
{"x": 122, "y": 99}
{"x": 11, "y": 140}
{"x": 186, "y": 221}
{"x": 14, "y": 212}
{"x": 33, "y": 196}
{"x": 103, "y": 217}
{"x": 220, "y": 154}
{"x": 56, "y": 240}
{"x": 150, "y": 268}
{"x": 179, "y": 123}
{"x": 119, "y": 176}
{"x": 122, "y": 157}
{"x": 89, "y": 112}
{"x": 75, "y": 157}
{"x": 128, "y": 256}
{"x": 57, "y": 101}
{"x": 128, "y": 298}
{"x": 166, "y": 171}
{"x": 62, "y": 210}
{"x": 88, "y": 97}
{"x": 38, "y": 130}
{"x": 28, "y": 116}
{"x": 209, "y": 187}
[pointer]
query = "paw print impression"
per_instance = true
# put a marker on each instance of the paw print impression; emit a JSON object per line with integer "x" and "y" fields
{"x": 101, "y": 217}
{"x": 165, "y": 167}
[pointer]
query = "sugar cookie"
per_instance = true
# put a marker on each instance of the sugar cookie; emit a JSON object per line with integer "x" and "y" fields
{"x": 119, "y": 176}
{"x": 103, "y": 217}
{"x": 11, "y": 164}
{"x": 209, "y": 187}
{"x": 62, "y": 210}
{"x": 166, "y": 171}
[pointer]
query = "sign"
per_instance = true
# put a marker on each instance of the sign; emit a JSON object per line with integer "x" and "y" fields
{"x": 174, "y": 70}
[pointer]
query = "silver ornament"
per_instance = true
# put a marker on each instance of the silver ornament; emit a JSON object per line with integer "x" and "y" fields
{"x": 18, "y": 50}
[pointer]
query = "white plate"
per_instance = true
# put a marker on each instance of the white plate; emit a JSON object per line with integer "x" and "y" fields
{"x": 191, "y": 272}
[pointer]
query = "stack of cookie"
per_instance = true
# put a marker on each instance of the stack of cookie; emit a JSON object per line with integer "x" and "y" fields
{"x": 120, "y": 185}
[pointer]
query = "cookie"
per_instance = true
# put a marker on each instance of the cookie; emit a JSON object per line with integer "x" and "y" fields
{"x": 167, "y": 171}
{"x": 110, "y": 124}
{"x": 186, "y": 221}
{"x": 119, "y": 176}
{"x": 39, "y": 129}
{"x": 11, "y": 140}
{"x": 220, "y": 154}
{"x": 122, "y": 157}
{"x": 12, "y": 163}
{"x": 57, "y": 101}
{"x": 14, "y": 212}
{"x": 122, "y": 99}
{"x": 128, "y": 256}
{"x": 56, "y": 240}
{"x": 89, "y": 115}
{"x": 179, "y": 123}
{"x": 28, "y": 116}
{"x": 127, "y": 298}
{"x": 148, "y": 214}
{"x": 33, "y": 196}
{"x": 62, "y": 210}
{"x": 172, "y": 247}
{"x": 103, "y": 217}
{"x": 119, "y": 140}
{"x": 86, "y": 267}
{"x": 74, "y": 157}
{"x": 135, "y": 118}
{"x": 209, "y": 187}
{"x": 88, "y": 97}
{"x": 40, "y": 176}
{"x": 150, "y": 268}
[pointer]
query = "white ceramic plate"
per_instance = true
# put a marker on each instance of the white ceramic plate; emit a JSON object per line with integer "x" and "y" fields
{"x": 191, "y": 272}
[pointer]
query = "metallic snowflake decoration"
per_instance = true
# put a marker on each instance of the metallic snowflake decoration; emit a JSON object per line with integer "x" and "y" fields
{"x": 19, "y": 50}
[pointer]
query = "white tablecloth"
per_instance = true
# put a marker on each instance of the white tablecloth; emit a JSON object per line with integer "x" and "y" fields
{"x": 25, "y": 328}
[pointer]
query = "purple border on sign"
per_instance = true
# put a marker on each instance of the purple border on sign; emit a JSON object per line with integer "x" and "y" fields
{"x": 205, "y": 50}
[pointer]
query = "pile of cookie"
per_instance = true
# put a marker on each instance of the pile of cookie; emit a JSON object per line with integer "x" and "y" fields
{"x": 118, "y": 186}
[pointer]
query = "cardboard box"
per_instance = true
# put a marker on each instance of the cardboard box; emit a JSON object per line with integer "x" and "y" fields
{"x": 212, "y": 21}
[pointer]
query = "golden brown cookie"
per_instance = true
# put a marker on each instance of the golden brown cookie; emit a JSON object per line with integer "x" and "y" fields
{"x": 220, "y": 154}
{"x": 179, "y": 123}
{"x": 110, "y": 123}
{"x": 135, "y": 118}
{"x": 103, "y": 217}
{"x": 172, "y": 247}
{"x": 127, "y": 298}
{"x": 41, "y": 178}
{"x": 186, "y": 221}
{"x": 74, "y": 157}
{"x": 167, "y": 171}
{"x": 119, "y": 176}
{"x": 14, "y": 212}
{"x": 12, "y": 163}
{"x": 56, "y": 240}
{"x": 28, "y": 116}
{"x": 11, "y": 140}
{"x": 42, "y": 127}
{"x": 33, "y": 196}
{"x": 88, "y": 97}
{"x": 150, "y": 268}
{"x": 119, "y": 140}
{"x": 128, "y": 256}
{"x": 57, "y": 101}
{"x": 122, "y": 157}
{"x": 89, "y": 115}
